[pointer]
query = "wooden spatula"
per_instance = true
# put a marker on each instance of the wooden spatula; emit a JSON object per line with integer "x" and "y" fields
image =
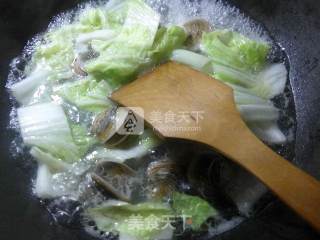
{"x": 206, "y": 112}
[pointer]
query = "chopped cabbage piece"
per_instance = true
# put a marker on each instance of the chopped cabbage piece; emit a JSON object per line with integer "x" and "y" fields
{"x": 43, "y": 184}
{"x": 142, "y": 221}
{"x": 194, "y": 208}
{"x": 194, "y": 60}
{"x": 54, "y": 164}
{"x": 46, "y": 127}
{"x": 58, "y": 51}
{"x": 87, "y": 94}
{"x": 235, "y": 50}
{"x": 28, "y": 91}
{"x": 120, "y": 61}
{"x": 167, "y": 40}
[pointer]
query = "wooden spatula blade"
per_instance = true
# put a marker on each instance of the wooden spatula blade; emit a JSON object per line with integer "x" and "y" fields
{"x": 195, "y": 101}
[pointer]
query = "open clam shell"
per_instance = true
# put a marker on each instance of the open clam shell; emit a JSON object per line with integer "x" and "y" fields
{"x": 77, "y": 68}
{"x": 195, "y": 28}
{"x": 115, "y": 179}
{"x": 162, "y": 178}
{"x": 107, "y": 124}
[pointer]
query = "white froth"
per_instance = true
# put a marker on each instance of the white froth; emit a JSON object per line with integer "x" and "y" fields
{"x": 219, "y": 14}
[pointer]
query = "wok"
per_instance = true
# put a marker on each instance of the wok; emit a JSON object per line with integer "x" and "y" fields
{"x": 294, "y": 24}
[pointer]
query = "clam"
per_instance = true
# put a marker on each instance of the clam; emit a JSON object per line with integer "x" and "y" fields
{"x": 115, "y": 168}
{"x": 107, "y": 124}
{"x": 115, "y": 179}
{"x": 77, "y": 68}
{"x": 195, "y": 28}
{"x": 162, "y": 178}
{"x": 160, "y": 168}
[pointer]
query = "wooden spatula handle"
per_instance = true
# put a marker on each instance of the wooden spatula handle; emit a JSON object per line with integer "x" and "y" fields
{"x": 293, "y": 186}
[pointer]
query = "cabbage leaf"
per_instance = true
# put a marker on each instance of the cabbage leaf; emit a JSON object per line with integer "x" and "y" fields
{"x": 122, "y": 58}
{"x": 53, "y": 163}
{"x": 143, "y": 221}
{"x": 194, "y": 208}
{"x": 58, "y": 50}
{"x": 167, "y": 40}
{"x": 87, "y": 94}
{"x": 30, "y": 90}
{"x": 235, "y": 50}
{"x": 192, "y": 59}
{"x": 46, "y": 126}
